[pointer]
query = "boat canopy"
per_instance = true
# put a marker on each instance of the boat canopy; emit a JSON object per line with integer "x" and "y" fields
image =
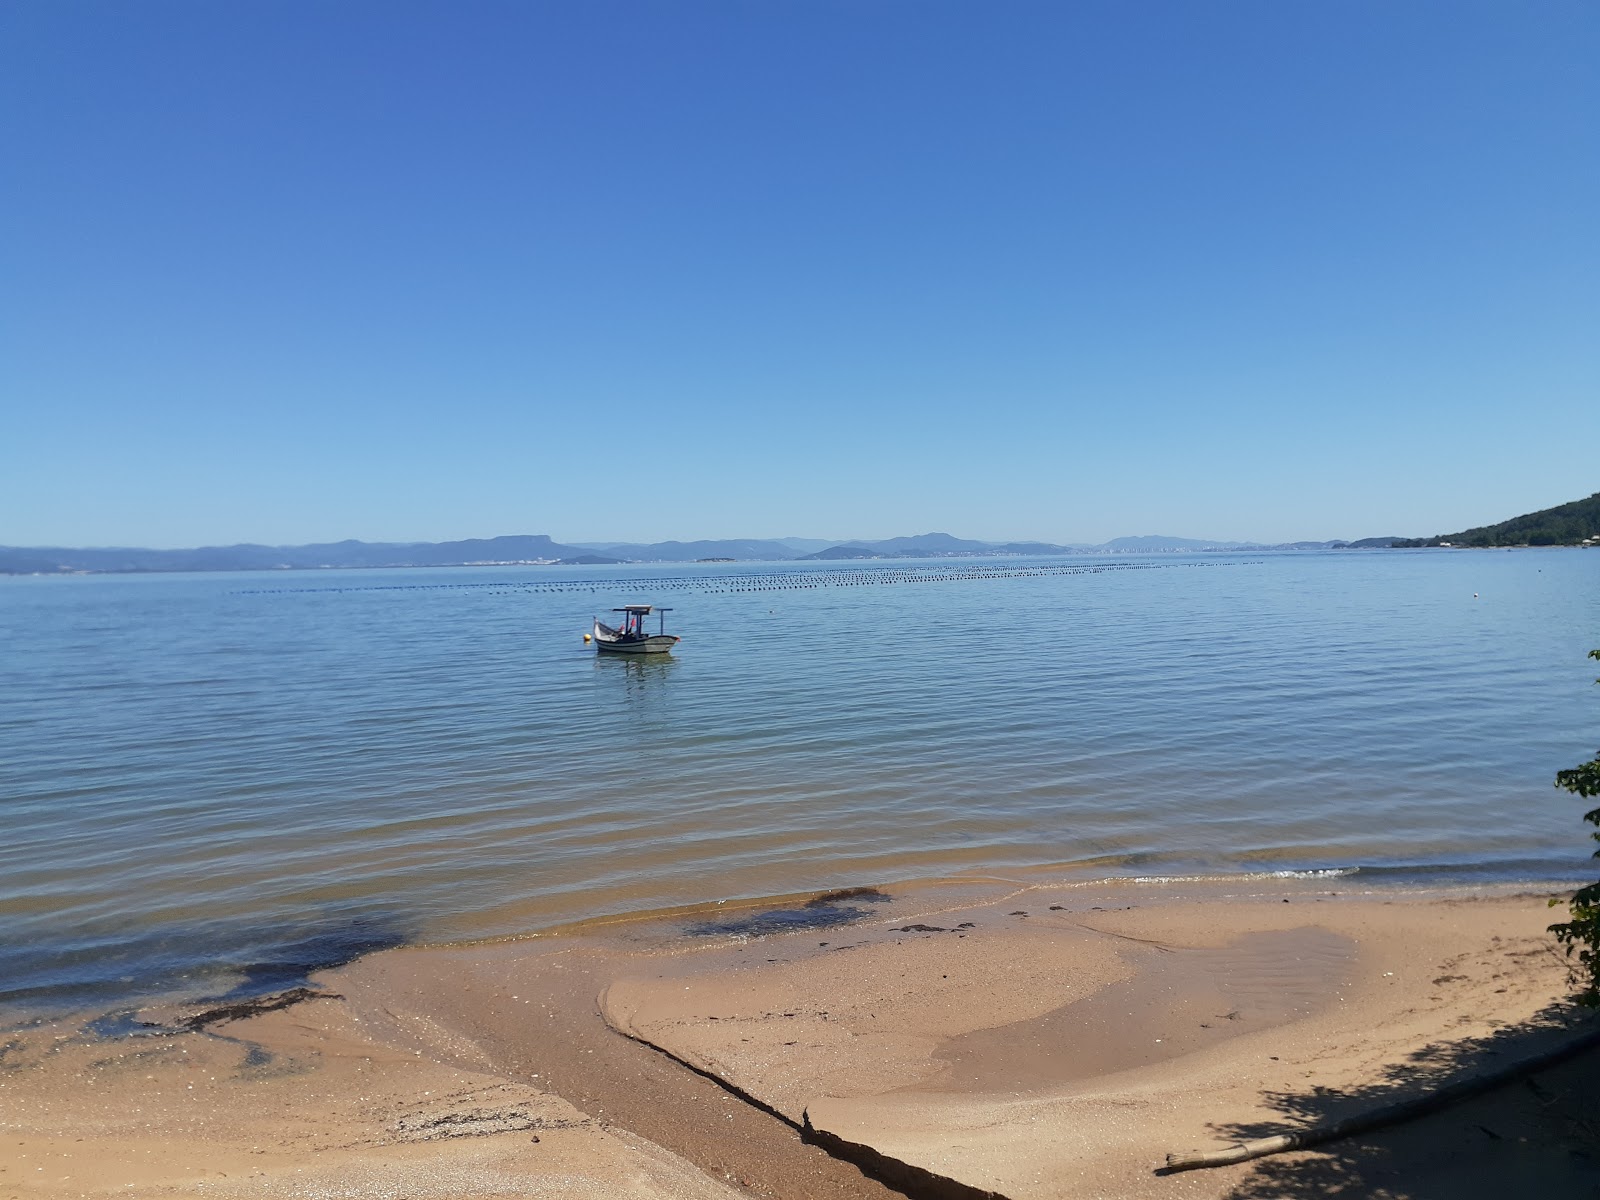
{"x": 642, "y": 610}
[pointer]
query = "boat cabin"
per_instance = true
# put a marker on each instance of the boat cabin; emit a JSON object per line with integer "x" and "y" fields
{"x": 629, "y": 636}
{"x": 633, "y": 616}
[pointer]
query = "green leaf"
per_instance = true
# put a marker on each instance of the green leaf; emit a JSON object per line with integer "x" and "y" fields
{"x": 1581, "y": 935}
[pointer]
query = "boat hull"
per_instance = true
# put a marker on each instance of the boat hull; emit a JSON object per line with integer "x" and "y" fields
{"x": 608, "y": 641}
{"x": 655, "y": 644}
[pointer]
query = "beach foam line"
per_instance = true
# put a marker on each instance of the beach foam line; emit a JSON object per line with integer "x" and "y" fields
{"x": 736, "y": 920}
{"x": 740, "y": 917}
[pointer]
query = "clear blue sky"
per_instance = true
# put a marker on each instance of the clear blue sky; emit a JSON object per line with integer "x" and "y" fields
{"x": 297, "y": 271}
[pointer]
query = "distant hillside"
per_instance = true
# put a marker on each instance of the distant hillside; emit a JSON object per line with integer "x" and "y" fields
{"x": 942, "y": 545}
{"x": 840, "y": 552}
{"x": 756, "y": 549}
{"x": 806, "y": 545}
{"x": 1573, "y": 524}
{"x": 935, "y": 545}
{"x": 930, "y": 545}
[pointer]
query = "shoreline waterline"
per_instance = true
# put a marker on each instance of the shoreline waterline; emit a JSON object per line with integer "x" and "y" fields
{"x": 690, "y": 928}
{"x": 1353, "y": 880}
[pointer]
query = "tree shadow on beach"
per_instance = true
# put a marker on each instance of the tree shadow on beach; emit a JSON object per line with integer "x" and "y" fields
{"x": 1535, "y": 1135}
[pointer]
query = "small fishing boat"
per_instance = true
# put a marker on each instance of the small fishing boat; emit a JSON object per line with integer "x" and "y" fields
{"x": 631, "y": 637}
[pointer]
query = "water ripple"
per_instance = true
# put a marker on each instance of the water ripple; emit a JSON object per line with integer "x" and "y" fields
{"x": 197, "y": 769}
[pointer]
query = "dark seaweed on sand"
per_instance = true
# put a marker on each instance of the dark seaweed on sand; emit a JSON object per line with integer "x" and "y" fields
{"x": 273, "y": 966}
{"x": 820, "y": 912}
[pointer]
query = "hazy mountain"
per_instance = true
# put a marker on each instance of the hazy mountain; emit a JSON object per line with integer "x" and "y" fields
{"x": 250, "y": 557}
{"x": 928, "y": 545}
{"x": 918, "y": 547}
{"x": 807, "y": 545}
{"x": 738, "y": 548}
{"x": 939, "y": 545}
{"x": 838, "y": 552}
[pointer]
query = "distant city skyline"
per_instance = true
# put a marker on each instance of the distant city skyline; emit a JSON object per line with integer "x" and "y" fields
{"x": 411, "y": 271}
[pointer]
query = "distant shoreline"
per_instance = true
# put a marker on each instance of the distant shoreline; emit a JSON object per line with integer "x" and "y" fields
{"x": 808, "y": 562}
{"x": 542, "y": 550}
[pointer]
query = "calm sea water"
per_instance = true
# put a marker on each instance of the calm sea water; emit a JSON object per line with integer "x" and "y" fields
{"x": 218, "y": 780}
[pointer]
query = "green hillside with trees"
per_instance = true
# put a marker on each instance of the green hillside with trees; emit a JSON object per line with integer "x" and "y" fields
{"x": 1565, "y": 525}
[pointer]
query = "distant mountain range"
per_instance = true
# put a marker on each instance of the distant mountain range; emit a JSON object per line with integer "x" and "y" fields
{"x": 526, "y": 548}
{"x": 942, "y": 545}
{"x": 755, "y": 549}
{"x": 530, "y": 549}
{"x": 1576, "y": 523}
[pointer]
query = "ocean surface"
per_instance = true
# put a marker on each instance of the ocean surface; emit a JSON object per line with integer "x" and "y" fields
{"x": 212, "y": 782}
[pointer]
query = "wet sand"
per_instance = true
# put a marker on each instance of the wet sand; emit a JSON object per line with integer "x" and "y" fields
{"x": 301, "y": 1103}
{"x": 961, "y": 1040}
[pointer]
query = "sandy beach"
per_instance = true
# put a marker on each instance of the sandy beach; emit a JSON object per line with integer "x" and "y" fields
{"x": 980, "y": 1039}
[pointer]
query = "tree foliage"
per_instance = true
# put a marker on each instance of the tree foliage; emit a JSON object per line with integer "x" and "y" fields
{"x": 1564, "y": 525}
{"x": 1581, "y": 934}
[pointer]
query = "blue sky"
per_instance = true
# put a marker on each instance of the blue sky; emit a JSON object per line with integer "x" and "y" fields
{"x": 293, "y": 271}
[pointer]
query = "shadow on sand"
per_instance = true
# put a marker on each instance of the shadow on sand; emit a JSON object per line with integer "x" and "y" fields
{"x": 1535, "y": 1135}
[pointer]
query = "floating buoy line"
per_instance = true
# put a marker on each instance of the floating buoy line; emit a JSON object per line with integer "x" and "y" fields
{"x": 770, "y": 581}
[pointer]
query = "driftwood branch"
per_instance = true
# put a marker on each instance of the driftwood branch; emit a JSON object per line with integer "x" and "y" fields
{"x": 1387, "y": 1114}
